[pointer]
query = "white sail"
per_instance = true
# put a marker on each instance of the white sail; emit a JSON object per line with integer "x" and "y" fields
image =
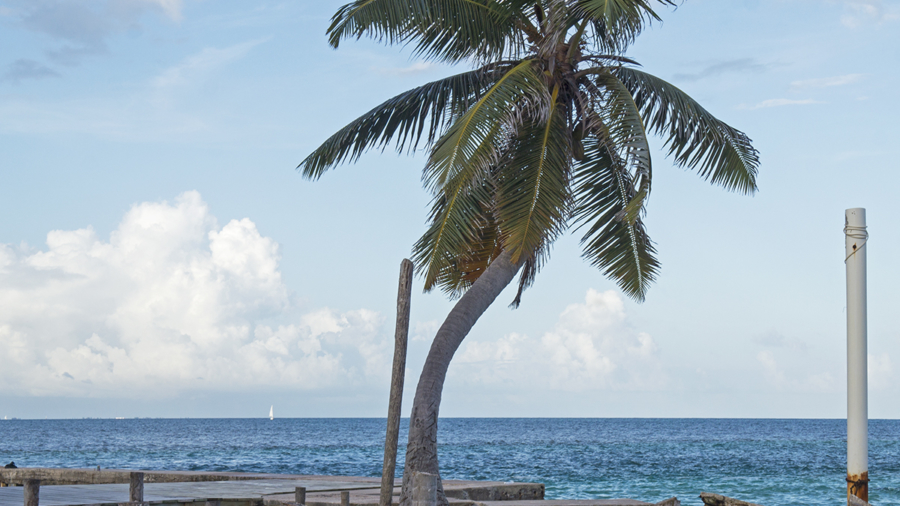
{"x": 272, "y": 412}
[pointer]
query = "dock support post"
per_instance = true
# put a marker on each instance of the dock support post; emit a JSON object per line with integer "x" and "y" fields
{"x": 345, "y": 498}
{"x": 32, "y": 491}
{"x": 300, "y": 495}
{"x": 424, "y": 489}
{"x": 856, "y": 236}
{"x": 136, "y": 488}
{"x": 401, "y": 332}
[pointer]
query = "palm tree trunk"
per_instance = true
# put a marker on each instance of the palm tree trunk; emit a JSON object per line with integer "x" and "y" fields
{"x": 421, "y": 451}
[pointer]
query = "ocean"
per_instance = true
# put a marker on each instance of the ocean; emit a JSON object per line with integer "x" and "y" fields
{"x": 770, "y": 462}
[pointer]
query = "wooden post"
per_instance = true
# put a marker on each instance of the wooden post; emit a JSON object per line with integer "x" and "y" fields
{"x": 32, "y": 490}
{"x": 345, "y": 498}
{"x": 424, "y": 489}
{"x": 401, "y": 332}
{"x": 300, "y": 495}
{"x": 136, "y": 488}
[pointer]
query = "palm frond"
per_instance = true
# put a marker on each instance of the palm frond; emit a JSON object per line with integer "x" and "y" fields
{"x": 619, "y": 248}
{"x": 616, "y": 23}
{"x": 473, "y": 142}
{"x": 445, "y": 30}
{"x": 722, "y": 155}
{"x": 421, "y": 111}
{"x": 460, "y": 269}
{"x": 623, "y": 129}
{"x": 534, "y": 194}
{"x": 461, "y": 239}
{"x": 459, "y": 170}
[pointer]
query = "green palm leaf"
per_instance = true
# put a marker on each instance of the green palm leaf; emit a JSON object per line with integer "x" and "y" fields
{"x": 621, "y": 249}
{"x": 447, "y": 30}
{"x": 623, "y": 127}
{"x": 723, "y": 155}
{"x": 473, "y": 141}
{"x": 617, "y": 22}
{"x": 478, "y": 240}
{"x": 460, "y": 166}
{"x": 534, "y": 196}
{"x": 404, "y": 116}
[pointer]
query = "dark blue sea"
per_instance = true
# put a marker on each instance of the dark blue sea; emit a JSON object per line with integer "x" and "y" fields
{"x": 770, "y": 462}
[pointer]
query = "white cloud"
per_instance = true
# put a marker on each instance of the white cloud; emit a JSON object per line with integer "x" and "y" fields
{"x": 827, "y": 82}
{"x": 171, "y": 302}
{"x": 779, "y": 102}
{"x": 860, "y": 12}
{"x": 424, "y": 331}
{"x": 415, "y": 68}
{"x": 172, "y": 8}
{"x": 881, "y": 371}
{"x": 792, "y": 379}
{"x": 591, "y": 347}
{"x": 201, "y": 64}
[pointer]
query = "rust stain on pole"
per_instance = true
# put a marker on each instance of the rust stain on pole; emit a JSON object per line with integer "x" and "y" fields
{"x": 858, "y": 485}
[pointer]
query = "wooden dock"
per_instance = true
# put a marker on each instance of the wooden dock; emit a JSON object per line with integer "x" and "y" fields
{"x": 244, "y": 491}
{"x": 77, "y": 487}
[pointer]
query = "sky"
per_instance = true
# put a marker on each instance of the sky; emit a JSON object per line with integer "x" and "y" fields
{"x": 160, "y": 256}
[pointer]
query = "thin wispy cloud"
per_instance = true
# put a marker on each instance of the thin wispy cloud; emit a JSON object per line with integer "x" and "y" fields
{"x": 786, "y": 378}
{"x": 23, "y": 69}
{"x": 201, "y": 64}
{"x": 741, "y": 65}
{"x": 776, "y": 339}
{"x": 862, "y": 12}
{"x": 827, "y": 82}
{"x": 779, "y": 102}
{"x": 415, "y": 68}
{"x": 81, "y": 27}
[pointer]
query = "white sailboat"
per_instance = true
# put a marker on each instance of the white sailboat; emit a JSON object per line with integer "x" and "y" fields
{"x": 272, "y": 412}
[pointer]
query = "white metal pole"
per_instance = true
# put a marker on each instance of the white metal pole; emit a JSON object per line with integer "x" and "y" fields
{"x": 857, "y": 389}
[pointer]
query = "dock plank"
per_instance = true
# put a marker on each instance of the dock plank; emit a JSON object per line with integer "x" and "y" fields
{"x": 71, "y": 495}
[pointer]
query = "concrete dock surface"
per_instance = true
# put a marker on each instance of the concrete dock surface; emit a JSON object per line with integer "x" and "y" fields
{"x": 70, "y": 487}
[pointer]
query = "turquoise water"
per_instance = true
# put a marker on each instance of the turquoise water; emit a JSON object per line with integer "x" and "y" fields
{"x": 771, "y": 462}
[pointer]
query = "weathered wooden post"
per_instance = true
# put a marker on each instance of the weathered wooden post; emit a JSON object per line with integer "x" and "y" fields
{"x": 401, "y": 332}
{"x": 345, "y": 498}
{"x": 136, "y": 488}
{"x": 856, "y": 236}
{"x": 424, "y": 489}
{"x": 300, "y": 495}
{"x": 32, "y": 491}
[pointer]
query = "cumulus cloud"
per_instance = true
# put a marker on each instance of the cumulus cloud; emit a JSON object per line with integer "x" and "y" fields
{"x": 171, "y": 302}
{"x": 591, "y": 347}
{"x": 81, "y": 27}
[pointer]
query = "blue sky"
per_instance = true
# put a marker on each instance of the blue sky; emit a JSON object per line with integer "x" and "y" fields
{"x": 160, "y": 256}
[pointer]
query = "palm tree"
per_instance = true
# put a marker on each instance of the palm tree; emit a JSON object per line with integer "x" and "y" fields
{"x": 547, "y": 132}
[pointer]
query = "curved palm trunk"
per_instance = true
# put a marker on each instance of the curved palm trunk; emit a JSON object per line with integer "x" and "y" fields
{"x": 421, "y": 451}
